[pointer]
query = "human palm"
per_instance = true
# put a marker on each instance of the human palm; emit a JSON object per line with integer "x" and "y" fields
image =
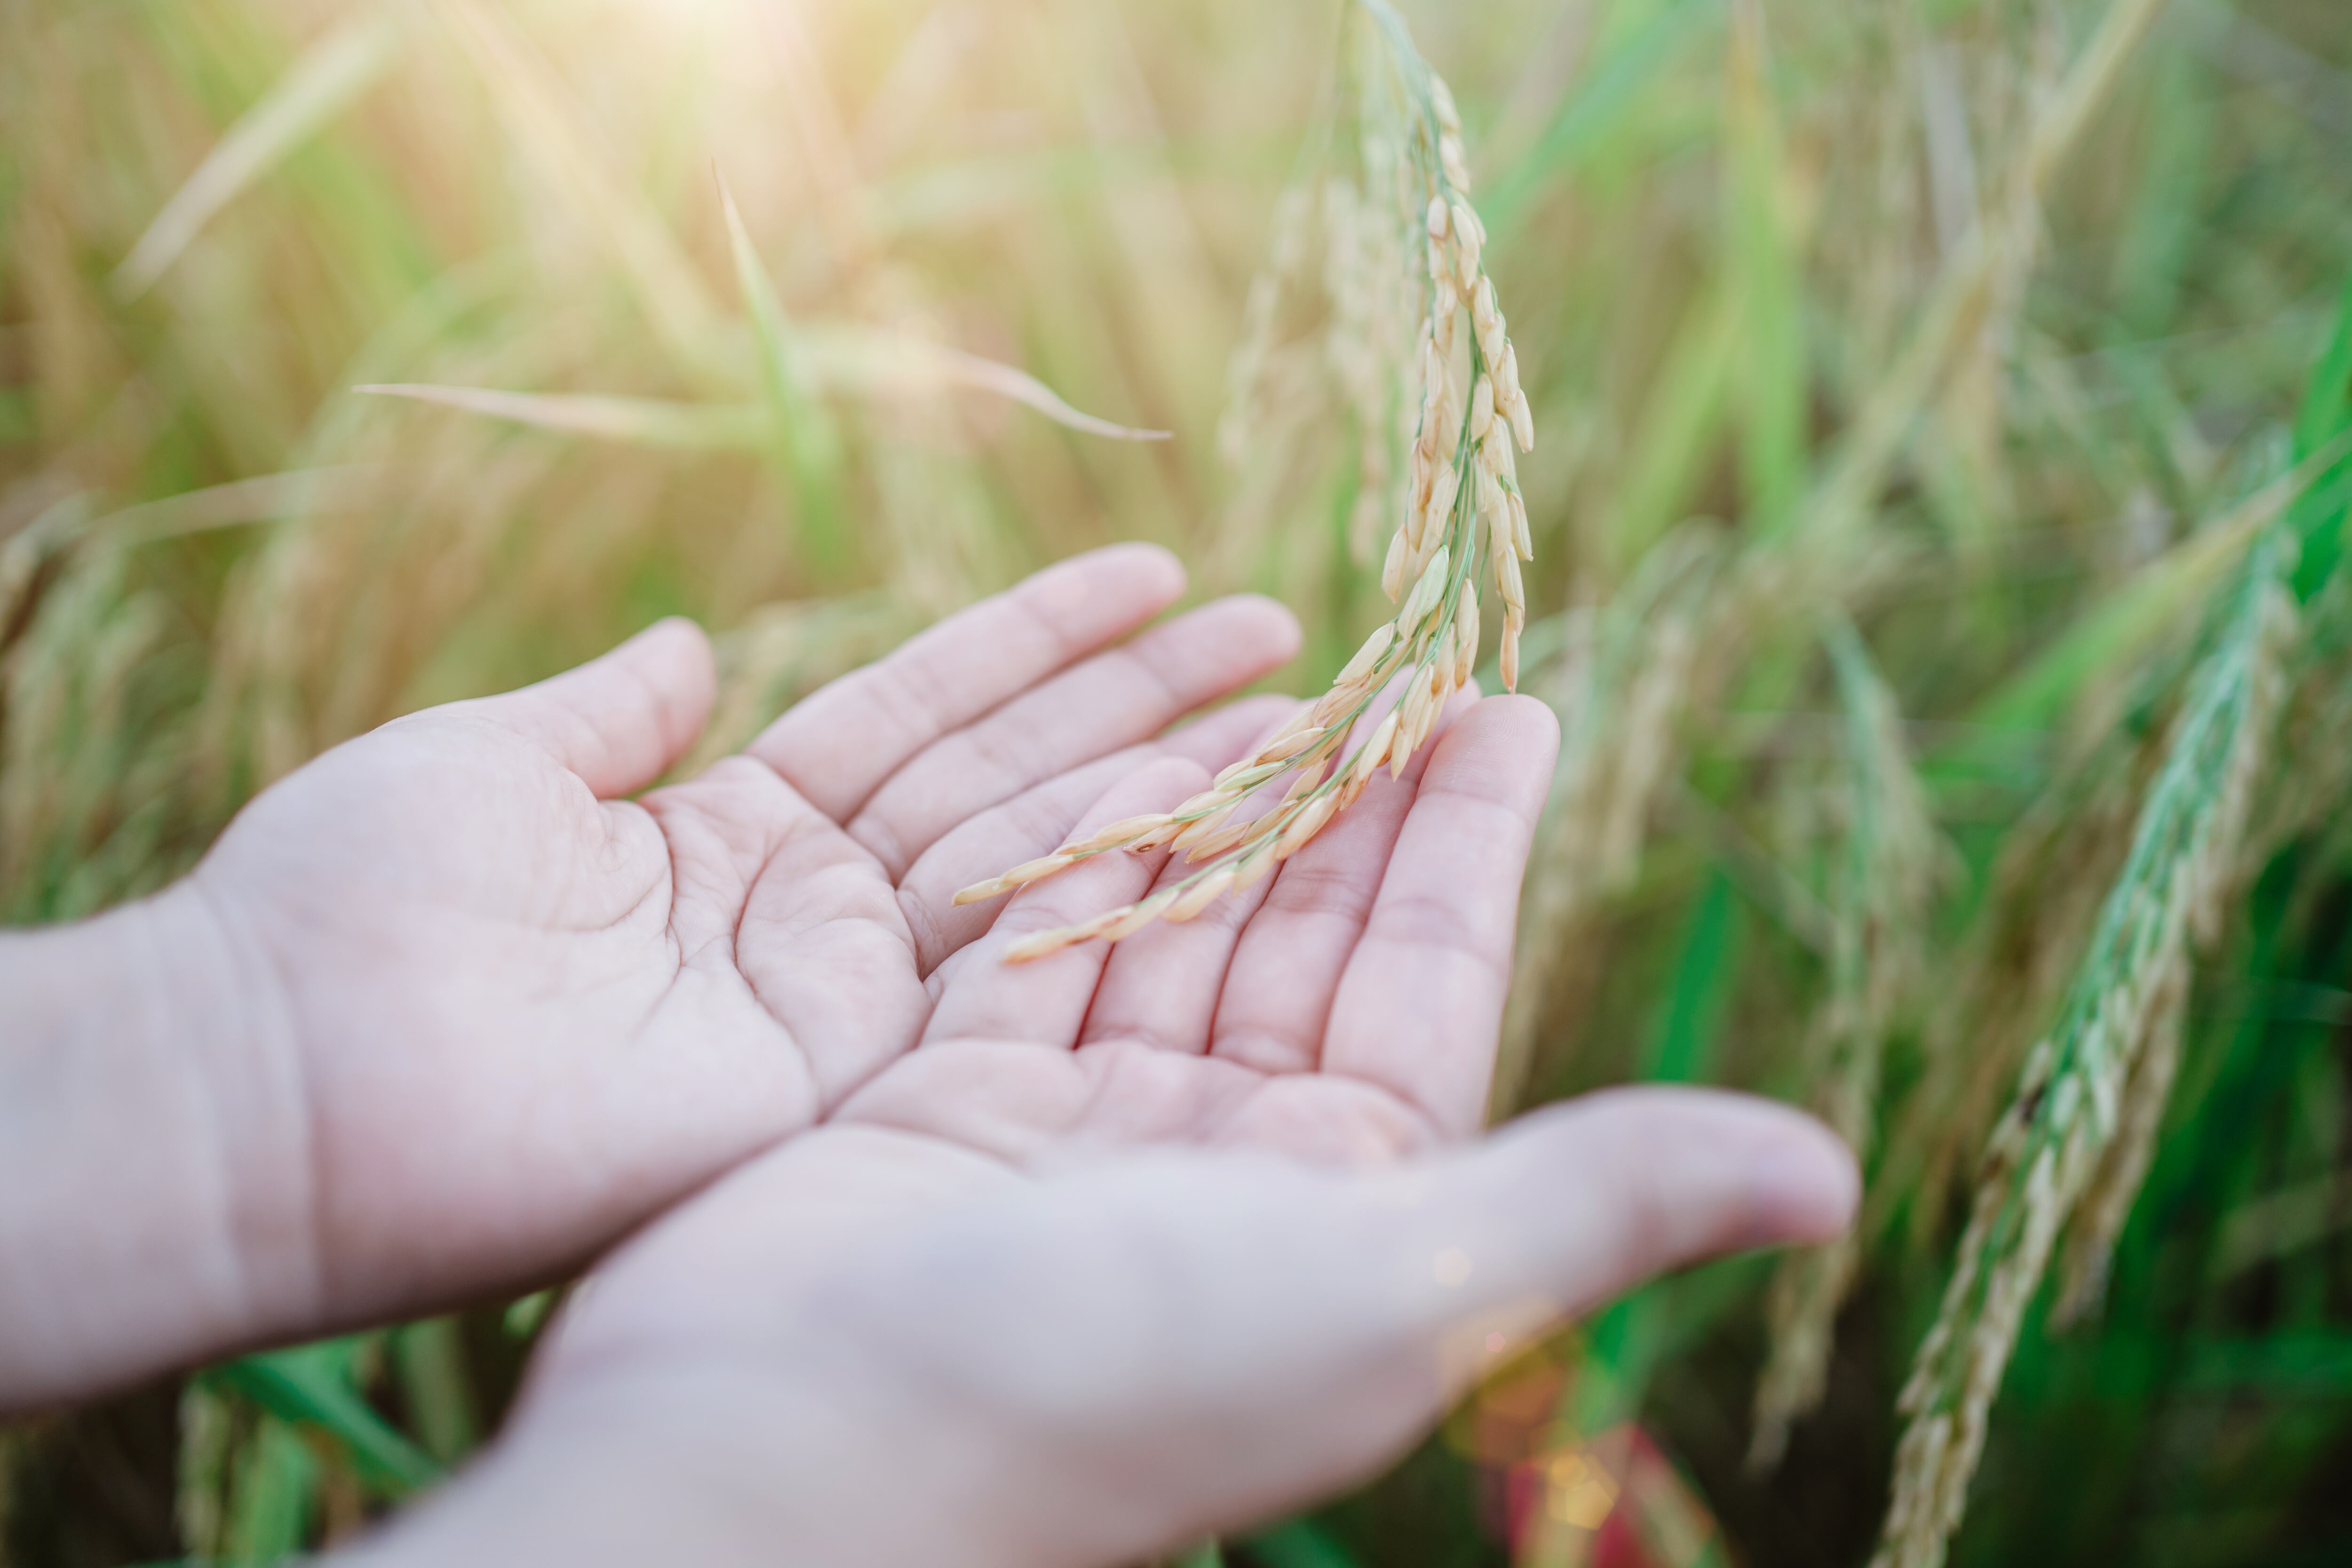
{"x": 1340, "y": 1016}
{"x": 1087, "y": 1255}
{"x": 1136, "y": 1244}
{"x": 1344, "y": 1010}
{"x": 514, "y": 1014}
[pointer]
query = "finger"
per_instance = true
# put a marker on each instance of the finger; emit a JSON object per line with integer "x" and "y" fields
{"x": 839, "y": 744}
{"x": 1289, "y": 959}
{"x": 1421, "y": 1005}
{"x": 1407, "y": 1285}
{"x": 1040, "y": 820}
{"x": 1113, "y": 699}
{"x": 1042, "y": 1002}
{"x": 617, "y": 721}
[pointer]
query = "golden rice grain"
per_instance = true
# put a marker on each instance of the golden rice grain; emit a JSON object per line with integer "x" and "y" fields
{"x": 1201, "y": 895}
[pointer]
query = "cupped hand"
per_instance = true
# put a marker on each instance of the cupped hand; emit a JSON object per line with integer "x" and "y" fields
{"x": 1342, "y": 1012}
{"x": 1138, "y": 1243}
{"x": 1344, "y": 1009}
{"x": 514, "y": 1013}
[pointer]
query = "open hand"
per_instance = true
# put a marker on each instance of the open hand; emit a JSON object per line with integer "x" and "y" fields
{"x": 511, "y": 1013}
{"x": 1136, "y": 1244}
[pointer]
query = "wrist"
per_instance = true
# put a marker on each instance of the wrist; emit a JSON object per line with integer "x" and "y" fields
{"x": 154, "y": 1204}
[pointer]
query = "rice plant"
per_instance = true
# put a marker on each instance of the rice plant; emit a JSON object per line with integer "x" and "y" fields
{"x": 1931, "y": 550}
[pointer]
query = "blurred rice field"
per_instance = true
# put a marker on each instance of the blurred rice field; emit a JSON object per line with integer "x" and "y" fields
{"x": 1944, "y": 409}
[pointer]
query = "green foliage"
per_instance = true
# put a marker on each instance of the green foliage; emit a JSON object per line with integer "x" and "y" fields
{"x": 1985, "y": 359}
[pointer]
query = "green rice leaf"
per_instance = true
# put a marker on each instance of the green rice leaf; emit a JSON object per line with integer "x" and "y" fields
{"x": 310, "y": 1386}
{"x": 2320, "y": 429}
{"x": 1300, "y": 1544}
{"x": 1760, "y": 256}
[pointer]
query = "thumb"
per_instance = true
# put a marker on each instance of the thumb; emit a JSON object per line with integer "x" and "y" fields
{"x": 1193, "y": 1343}
{"x": 1579, "y": 1204}
{"x": 1373, "y": 1303}
{"x": 620, "y": 720}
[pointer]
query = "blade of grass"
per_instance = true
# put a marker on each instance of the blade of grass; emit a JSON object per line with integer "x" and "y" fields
{"x": 270, "y": 1511}
{"x": 2320, "y": 427}
{"x": 262, "y": 498}
{"x": 327, "y": 79}
{"x": 922, "y": 364}
{"x": 1760, "y": 257}
{"x": 1300, "y": 1544}
{"x": 309, "y": 1384}
{"x": 1681, "y": 421}
{"x": 1590, "y": 117}
{"x": 848, "y": 358}
{"x": 807, "y": 436}
{"x": 641, "y": 421}
{"x": 430, "y": 1359}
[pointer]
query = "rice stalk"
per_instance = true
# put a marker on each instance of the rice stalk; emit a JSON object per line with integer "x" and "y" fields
{"x": 2068, "y": 1103}
{"x": 86, "y": 810}
{"x": 1369, "y": 351}
{"x": 1356, "y": 362}
{"x": 1806, "y": 552}
{"x": 1462, "y": 491}
{"x": 1245, "y": 371}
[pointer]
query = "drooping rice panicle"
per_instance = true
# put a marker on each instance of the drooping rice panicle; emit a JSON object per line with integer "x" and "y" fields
{"x": 2068, "y": 1103}
{"x": 1461, "y": 509}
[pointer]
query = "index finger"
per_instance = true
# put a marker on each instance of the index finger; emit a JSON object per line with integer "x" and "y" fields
{"x": 839, "y": 746}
